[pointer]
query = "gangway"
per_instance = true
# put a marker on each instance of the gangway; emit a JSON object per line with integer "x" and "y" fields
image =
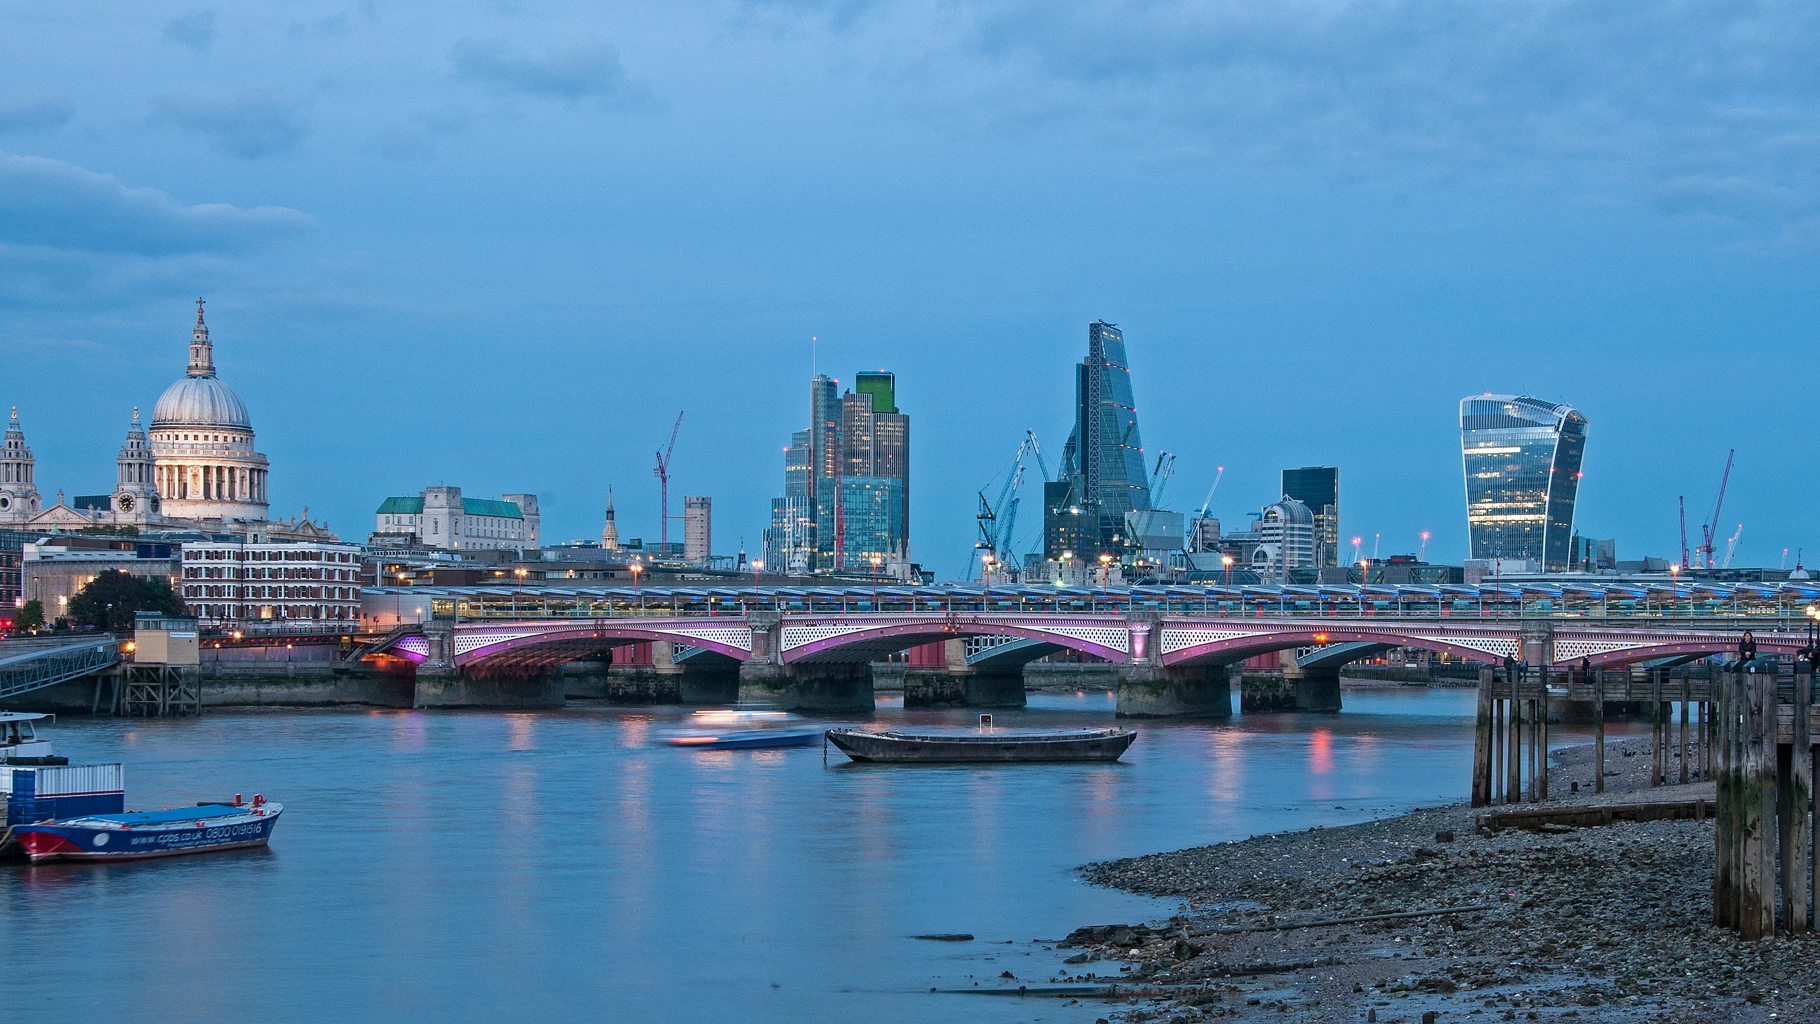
{"x": 27, "y": 665}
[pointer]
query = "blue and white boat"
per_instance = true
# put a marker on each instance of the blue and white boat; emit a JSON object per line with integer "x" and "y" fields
{"x": 744, "y": 726}
{"x": 135, "y": 835}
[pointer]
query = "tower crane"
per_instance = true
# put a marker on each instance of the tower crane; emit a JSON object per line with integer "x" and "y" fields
{"x": 1216, "y": 486}
{"x": 1682, "y": 502}
{"x": 1159, "y": 477}
{"x": 1731, "y": 547}
{"x": 662, "y": 472}
{"x": 1709, "y": 531}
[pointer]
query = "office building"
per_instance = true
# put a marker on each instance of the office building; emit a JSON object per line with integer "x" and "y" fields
{"x": 698, "y": 529}
{"x": 242, "y": 581}
{"x": 1103, "y": 461}
{"x": 1521, "y": 457}
{"x": 846, "y": 501}
{"x": 1318, "y": 487}
{"x": 1286, "y": 540}
{"x": 439, "y": 517}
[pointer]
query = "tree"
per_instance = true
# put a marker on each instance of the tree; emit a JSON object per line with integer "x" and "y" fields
{"x": 31, "y": 616}
{"x": 110, "y": 599}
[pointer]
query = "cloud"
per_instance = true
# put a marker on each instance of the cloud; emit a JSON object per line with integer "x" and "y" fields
{"x": 417, "y": 138}
{"x": 250, "y": 126}
{"x": 195, "y": 30}
{"x": 50, "y": 204}
{"x": 1696, "y": 103}
{"x": 585, "y": 69}
{"x": 1732, "y": 197}
{"x": 24, "y": 112}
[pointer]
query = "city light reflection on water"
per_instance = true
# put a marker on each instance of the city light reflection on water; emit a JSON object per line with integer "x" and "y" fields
{"x": 484, "y": 866}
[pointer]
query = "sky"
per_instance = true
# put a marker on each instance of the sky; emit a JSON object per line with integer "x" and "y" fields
{"x": 501, "y": 245}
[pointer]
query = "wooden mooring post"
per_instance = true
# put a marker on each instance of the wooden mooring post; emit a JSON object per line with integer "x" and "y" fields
{"x": 1598, "y": 700}
{"x": 1513, "y": 744}
{"x": 1482, "y": 742}
{"x": 1686, "y": 694}
{"x": 1765, "y": 835}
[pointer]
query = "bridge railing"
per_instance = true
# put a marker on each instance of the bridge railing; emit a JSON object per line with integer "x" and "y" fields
{"x": 35, "y": 669}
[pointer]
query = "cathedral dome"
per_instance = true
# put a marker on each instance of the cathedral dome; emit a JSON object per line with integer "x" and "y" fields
{"x": 200, "y": 400}
{"x": 200, "y": 403}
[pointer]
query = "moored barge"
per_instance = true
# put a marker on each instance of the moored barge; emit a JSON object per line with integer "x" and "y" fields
{"x": 984, "y": 747}
{"x": 136, "y": 835}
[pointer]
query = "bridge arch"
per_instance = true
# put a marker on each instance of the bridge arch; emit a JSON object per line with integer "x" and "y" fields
{"x": 561, "y": 642}
{"x": 1192, "y": 646}
{"x": 1570, "y": 651}
{"x": 859, "y": 642}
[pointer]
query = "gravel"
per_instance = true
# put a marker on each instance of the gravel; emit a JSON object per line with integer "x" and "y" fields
{"x": 1592, "y": 924}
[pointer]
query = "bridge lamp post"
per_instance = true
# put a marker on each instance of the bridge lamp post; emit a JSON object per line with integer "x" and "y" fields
{"x": 1674, "y": 590}
{"x": 521, "y": 574}
{"x": 1226, "y": 560}
{"x": 985, "y": 581}
{"x": 875, "y": 561}
{"x": 636, "y": 569}
{"x": 757, "y": 565}
{"x": 1106, "y": 578}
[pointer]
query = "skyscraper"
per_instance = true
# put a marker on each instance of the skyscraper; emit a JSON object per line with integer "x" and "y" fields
{"x": 1103, "y": 460}
{"x": 1318, "y": 487}
{"x": 1522, "y": 463}
{"x": 846, "y": 495}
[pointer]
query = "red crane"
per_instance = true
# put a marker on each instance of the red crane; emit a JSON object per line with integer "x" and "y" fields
{"x": 1709, "y": 531}
{"x": 662, "y": 472}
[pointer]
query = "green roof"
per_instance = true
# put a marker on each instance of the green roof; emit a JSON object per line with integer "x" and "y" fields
{"x": 469, "y": 506}
{"x": 490, "y": 507}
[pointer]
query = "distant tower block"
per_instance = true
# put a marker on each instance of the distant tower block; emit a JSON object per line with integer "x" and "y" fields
{"x": 698, "y": 529}
{"x": 609, "y": 534}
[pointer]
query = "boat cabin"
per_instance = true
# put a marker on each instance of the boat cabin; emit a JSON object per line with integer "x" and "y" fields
{"x": 18, "y": 738}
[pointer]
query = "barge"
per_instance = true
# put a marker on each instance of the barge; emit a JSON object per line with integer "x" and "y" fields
{"x": 985, "y": 747}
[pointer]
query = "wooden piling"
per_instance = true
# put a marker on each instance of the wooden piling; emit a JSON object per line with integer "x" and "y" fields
{"x": 1686, "y": 694}
{"x": 1793, "y": 798}
{"x": 1801, "y": 800}
{"x": 1513, "y": 744}
{"x": 1757, "y": 917}
{"x": 1482, "y": 743}
{"x": 1598, "y": 682}
{"x": 1542, "y": 739}
{"x": 1725, "y": 806}
{"x": 1497, "y": 750}
{"x": 1655, "y": 728}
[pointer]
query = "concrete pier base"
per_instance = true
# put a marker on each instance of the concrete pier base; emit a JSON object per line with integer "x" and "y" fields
{"x": 818, "y": 686}
{"x": 939, "y": 687}
{"x": 443, "y": 688}
{"x": 1178, "y": 691}
{"x": 1315, "y": 689}
{"x": 1265, "y": 691}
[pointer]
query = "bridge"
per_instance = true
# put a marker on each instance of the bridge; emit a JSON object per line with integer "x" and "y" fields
{"x": 1172, "y": 647}
{"x": 27, "y": 665}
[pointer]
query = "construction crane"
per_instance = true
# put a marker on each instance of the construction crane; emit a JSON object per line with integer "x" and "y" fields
{"x": 1709, "y": 531}
{"x": 998, "y": 519}
{"x": 1682, "y": 501}
{"x": 1221, "y": 471}
{"x": 1731, "y": 547}
{"x": 662, "y": 472}
{"x": 1036, "y": 449}
{"x": 1159, "y": 477}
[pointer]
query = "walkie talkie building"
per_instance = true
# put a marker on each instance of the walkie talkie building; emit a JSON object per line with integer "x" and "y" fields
{"x": 1522, "y": 459}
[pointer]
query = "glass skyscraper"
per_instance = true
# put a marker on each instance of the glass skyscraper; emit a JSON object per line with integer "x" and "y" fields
{"x": 1104, "y": 457}
{"x": 846, "y": 483}
{"x": 1522, "y": 461}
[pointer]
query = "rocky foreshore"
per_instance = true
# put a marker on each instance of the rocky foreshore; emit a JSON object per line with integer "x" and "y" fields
{"x": 1420, "y": 918}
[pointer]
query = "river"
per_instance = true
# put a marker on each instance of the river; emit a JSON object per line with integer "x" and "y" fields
{"x": 485, "y": 866}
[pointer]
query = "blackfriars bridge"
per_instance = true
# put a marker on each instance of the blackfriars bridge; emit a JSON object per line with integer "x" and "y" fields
{"x": 1172, "y": 647}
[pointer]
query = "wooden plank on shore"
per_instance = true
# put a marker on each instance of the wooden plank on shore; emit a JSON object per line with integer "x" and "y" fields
{"x": 1594, "y": 815}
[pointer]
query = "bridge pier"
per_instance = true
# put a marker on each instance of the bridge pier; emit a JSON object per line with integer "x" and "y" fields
{"x": 1174, "y": 691}
{"x": 811, "y": 686}
{"x": 954, "y": 683}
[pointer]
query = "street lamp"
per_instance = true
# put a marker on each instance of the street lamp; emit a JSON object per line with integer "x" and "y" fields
{"x": 1106, "y": 577}
{"x": 757, "y": 564}
{"x": 985, "y": 581}
{"x": 521, "y": 574}
{"x": 1226, "y": 560}
{"x": 636, "y": 569}
{"x": 875, "y": 561}
{"x": 1674, "y": 590}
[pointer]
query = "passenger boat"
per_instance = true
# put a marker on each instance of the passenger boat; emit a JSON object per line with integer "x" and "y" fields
{"x": 743, "y": 726}
{"x": 135, "y": 835}
{"x": 987, "y": 746}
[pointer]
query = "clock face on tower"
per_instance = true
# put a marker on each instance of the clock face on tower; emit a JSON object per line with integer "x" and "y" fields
{"x": 124, "y": 503}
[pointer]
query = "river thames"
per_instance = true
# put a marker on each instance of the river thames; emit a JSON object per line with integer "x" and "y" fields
{"x": 480, "y": 866}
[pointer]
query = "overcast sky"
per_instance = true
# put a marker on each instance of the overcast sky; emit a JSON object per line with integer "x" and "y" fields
{"x": 501, "y": 245}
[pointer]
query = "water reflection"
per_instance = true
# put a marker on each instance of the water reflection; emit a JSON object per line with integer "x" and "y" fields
{"x": 519, "y": 865}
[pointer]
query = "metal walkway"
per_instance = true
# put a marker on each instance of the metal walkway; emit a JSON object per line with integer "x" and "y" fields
{"x": 27, "y": 665}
